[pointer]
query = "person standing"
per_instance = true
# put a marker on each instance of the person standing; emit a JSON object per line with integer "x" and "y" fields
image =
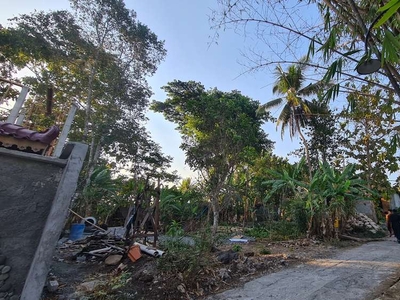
{"x": 394, "y": 224}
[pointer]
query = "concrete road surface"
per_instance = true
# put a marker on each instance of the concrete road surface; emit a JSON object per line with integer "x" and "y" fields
{"x": 352, "y": 274}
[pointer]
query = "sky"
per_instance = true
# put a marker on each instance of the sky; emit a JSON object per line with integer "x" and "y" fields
{"x": 191, "y": 55}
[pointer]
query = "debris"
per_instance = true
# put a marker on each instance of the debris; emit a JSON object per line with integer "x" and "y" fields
{"x": 224, "y": 274}
{"x": 89, "y": 286}
{"x": 52, "y": 285}
{"x": 134, "y": 253}
{"x": 150, "y": 251}
{"x": 233, "y": 240}
{"x": 181, "y": 288}
{"x": 81, "y": 258}
{"x": 146, "y": 276}
{"x": 113, "y": 260}
{"x": 100, "y": 250}
{"x": 5, "y": 269}
{"x": 227, "y": 256}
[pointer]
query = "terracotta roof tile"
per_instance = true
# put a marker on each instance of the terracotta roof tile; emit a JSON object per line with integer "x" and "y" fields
{"x": 19, "y": 132}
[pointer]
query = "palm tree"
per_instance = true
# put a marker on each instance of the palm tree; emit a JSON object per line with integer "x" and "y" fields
{"x": 296, "y": 109}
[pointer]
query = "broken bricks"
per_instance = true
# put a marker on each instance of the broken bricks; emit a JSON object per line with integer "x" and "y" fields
{"x": 134, "y": 253}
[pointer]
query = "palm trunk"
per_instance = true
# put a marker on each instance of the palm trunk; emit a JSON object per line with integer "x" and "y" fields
{"x": 307, "y": 153}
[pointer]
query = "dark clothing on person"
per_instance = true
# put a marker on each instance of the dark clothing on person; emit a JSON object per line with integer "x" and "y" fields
{"x": 394, "y": 225}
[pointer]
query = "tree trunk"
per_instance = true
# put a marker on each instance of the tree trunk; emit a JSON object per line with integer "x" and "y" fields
{"x": 89, "y": 97}
{"x": 215, "y": 209}
{"x": 307, "y": 154}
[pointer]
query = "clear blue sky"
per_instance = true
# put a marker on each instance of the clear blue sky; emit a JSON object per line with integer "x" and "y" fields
{"x": 184, "y": 25}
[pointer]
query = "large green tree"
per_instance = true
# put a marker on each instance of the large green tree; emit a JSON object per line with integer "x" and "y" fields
{"x": 100, "y": 57}
{"x": 216, "y": 127}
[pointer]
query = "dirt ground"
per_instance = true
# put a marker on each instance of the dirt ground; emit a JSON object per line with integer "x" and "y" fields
{"x": 142, "y": 279}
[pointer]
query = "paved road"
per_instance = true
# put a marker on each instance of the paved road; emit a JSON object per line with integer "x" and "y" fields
{"x": 353, "y": 274}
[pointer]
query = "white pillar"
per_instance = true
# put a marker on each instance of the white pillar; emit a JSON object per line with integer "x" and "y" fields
{"x": 18, "y": 104}
{"x": 21, "y": 117}
{"x": 65, "y": 130}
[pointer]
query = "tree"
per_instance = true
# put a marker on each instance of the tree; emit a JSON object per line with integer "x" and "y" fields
{"x": 216, "y": 127}
{"x": 325, "y": 142}
{"x": 368, "y": 126}
{"x": 330, "y": 195}
{"x": 296, "y": 109}
{"x": 99, "y": 57}
{"x": 335, "y": 38}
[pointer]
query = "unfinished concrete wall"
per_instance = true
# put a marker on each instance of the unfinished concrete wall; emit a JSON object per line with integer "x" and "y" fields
{"x": 367, "y": 208}
{"x": 27, "y": 191}
{"x": 35, "y": 193}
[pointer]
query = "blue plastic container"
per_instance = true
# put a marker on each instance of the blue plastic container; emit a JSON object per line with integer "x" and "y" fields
{"x": 76, "y": 232}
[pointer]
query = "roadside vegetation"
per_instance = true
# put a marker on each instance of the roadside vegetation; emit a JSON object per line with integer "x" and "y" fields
{"x": 100, "y": 55}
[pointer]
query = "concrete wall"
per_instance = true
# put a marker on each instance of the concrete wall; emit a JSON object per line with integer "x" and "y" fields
{"x": 367, "y": 208}
{"x": 35, "y": 193}
{"x": 27, "y": 191}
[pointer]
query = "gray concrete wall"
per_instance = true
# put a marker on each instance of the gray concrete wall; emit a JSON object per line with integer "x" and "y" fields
{"x": 35, "y": 193}
{"x": 367, "y": 208}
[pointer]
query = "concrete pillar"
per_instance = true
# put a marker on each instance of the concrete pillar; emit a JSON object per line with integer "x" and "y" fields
{"x": 55, "y": 221}
{"x": 65, "y": 131}
{"x": 18, "y": 104}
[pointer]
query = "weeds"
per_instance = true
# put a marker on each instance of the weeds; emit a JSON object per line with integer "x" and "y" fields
{"x": 265, "y": 251}
{"x": 236, "y": 248}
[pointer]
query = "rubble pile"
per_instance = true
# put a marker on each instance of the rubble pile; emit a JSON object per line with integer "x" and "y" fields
{"x": 362, "y": 223}
{"x": 6, "y": 288}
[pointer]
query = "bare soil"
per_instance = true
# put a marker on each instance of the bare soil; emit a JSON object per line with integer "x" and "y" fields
{"x": 143, "y": 280}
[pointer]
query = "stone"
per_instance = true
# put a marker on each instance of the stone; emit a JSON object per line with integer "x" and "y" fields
{"x": 90, "y": 286}
{"x": 181, "y": 288}
{"x": 15, "y": 297}
{"x": 6, "y": 287}
{"x": 113, "y": 260}
{"x": 2, "y": 259}
{"x": 227, "y": 256}
{"x": 81, "y": 258}
{"x": 146, "y": 276}
{"x": 4, "y": 276}
{"x": 1, "y": 267}
{"x": 5, "y": 269}
{"x": 224, "y": 274}
{"x": 52, "y": 285}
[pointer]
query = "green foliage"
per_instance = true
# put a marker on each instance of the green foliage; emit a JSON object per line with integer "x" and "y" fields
{"x": 389, "y": 10}
{"x": 175, "y": 230}
{"x": 258, "y": 232}
{"x": 181, "y": 257}
{"x": 217, "y": 129}
{"x": 265, "y": 251}
{"x": 329, "y": 195}
{"x": 236, "y": 248}
{"x": 368, "y": 129}
{"x": 284, "y": 230}
{"x": 184, "y": 206}
{"x": 99, "y": 193}
{"x": 110, "y": 288}
{"x": 102, "y": 67}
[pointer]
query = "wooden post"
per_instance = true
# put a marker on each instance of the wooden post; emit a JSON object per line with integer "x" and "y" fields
{"x": 65, "y": 130}
{"x": 18, "y": 104}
